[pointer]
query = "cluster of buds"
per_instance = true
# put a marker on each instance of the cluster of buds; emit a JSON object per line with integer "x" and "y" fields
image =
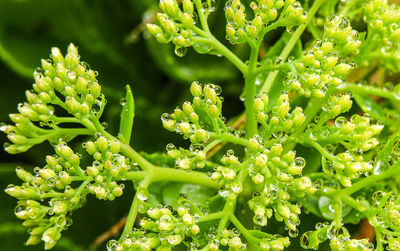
{"x": 228, "y": 238}
{"x": 195, "y": 119}
{"x": 357, "y": 135}
{"x": 137, "y": 241}
{"x": 176, "y": 25}
{"x": 108, "y": 163}
{"x": 340, "y": 239}
{"x": 383, "y": 21}
{"x": 51, "y": 183}
{"x": 275, "y": 173}
{"x": 326, "y": 63}
{"x": 60, "y": 75}
{"x": 226, "y": 175}
{"x": 73, "y": 79}
{"x": 387, "y": 217}
{"x": 280, "y": 121}
{"x": 190, "y": 159}
{"x": 164, "y": 229}
{"x": 277, "y": 243}
{"x": 336, "y": 105}
{"x": 239, "y": 29}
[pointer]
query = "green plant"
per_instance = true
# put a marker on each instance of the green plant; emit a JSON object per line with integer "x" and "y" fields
{"x": 305, "y": 145}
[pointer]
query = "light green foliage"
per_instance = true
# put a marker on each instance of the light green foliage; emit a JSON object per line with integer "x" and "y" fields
{"x": 295, "y": 102}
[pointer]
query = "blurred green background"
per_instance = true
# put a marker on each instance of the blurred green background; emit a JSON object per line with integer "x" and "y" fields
{"x": 111, "y": 39}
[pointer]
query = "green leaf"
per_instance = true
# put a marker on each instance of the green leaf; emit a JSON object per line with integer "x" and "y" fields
{"x": 368, "y": 105}
{"x": 195, "y": 193}
{"x": 127, "y": 116}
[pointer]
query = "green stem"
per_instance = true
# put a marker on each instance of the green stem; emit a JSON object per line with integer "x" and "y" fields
{"x": 130, "y": 220}
{"x": 369, "y": 90}
{"x": 126, "y": 149}
{"x": 229, "y": 138}
{"x": 228, "y": 54}
{"x": 156, "y": 174}
{"x": 250, "y": 92}
{"x": 243, "y": 230}
{"x": 212, "y": 144}
{"x": 289, "y": 46}
{"x": 202, "y": 17}
{"x": 211, "y": 217}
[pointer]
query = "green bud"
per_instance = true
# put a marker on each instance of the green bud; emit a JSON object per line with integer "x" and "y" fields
{"x": 235, "y": 242}
{"x": 56, "y": 55}
{"x": 58, "y": 84}
{"x": 214, "y": 111}
{"x": 342, "y": 69}
{"x": 27, "y": 112}
{"x": 187, "y": 108}
{"x": 115, "y": 146}
{"x": 276, "y": 150}
{"x": 102, "y": 144}
{"x": 95, "y": 89}
{"x": 187, "y": 20}
{"x": 90, "y": 147}
{"x": 201, "y": 135}
{"x": 50, "y": 237}
{"x": 82, "y": 85}
{"x": 196, "y": 89}
{"x": 169, "y": 124}
{"x": 23, "y": 175}
{"x": 17, "y": 139}
{"x": 239, "y": 18}
{"x": 187, "y": 6}
{"x": 258, "y": 104}
{"x": 72, "y": 105}
{"x": 117, "y": 191}
{"x": 33, "y": 240}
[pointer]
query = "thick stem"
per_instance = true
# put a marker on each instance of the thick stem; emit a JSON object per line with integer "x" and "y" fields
{"x": 250, "y": 92}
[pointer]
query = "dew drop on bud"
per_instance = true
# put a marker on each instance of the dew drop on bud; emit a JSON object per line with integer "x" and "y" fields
{"x": 180, "y": 51}
{"x": 300, "y": 161}
{"x": 170, "y": 147}
{"x": 165, "y": 117}
{"x": 230, "y": 152}
{"x": 293, "y": 233}
{"x": 305, "y": 240}
{"x": 122, "y": 101}
{"x": 340, "y": 121}
{"x": 112, "y": 245}
{"x": 142, "y": 194}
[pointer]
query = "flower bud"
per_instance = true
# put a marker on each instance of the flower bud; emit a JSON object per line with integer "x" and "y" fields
{"x": 196, "y": 89}
{"x": 95, "y": 89}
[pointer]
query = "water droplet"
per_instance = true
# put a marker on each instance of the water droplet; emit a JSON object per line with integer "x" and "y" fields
{"x": 165, "y": 117}
{"x": 305, "y": 240}
{"x": 72, "y": 75}
{"x": 122, "y": 101}
{"x": 340, "y": 121}
{"x": 278, "y": 60}
{"x": 293, "y": 233}
{"x": 142, "y": 194}
{"x": 51, "y": 181}
{"x": 112, "y": 245}
{"x": 291, "y": 29}
{"x": 299, "y": 161}
{"x": 180, "y": 51}
{"x": 170, "y": 147}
